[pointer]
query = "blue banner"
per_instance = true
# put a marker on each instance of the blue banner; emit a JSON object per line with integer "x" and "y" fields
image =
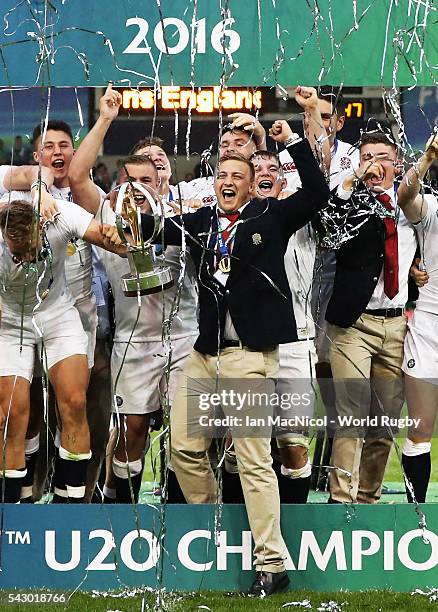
{"x": 178, "y": 42}
{"x": 109, "y": 547}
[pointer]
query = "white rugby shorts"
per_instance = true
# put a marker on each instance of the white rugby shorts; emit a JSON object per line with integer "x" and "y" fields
{"x": 421, "y": 346}
{"x": 296, "y": 383}
{"x": 139, "y": 377}
{"x": 62, "y": 336}
{"x": 88, "y": 314}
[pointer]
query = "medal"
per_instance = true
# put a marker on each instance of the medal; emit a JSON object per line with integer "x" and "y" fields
{"x": 225, "y": 264}
{"x": 71, "y": 249}
{"x": 224, "y": 238}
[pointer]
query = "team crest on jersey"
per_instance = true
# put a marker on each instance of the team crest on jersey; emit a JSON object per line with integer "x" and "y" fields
{"x": 289, "y": 167}
{"x": 119, "y": 400}
{"x": 345, "y": 163}
{"x": 256, "y": 239}
{"x": 411, "y": 363}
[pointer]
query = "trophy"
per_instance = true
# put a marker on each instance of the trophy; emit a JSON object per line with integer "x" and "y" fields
{"x": 146, "y": 276}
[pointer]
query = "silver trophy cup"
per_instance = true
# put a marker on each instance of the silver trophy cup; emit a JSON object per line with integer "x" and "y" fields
{"x": 146, "y": 275}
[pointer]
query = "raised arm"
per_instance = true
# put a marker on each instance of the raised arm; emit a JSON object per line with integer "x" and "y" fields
{"x": 307, "y": 98}
{"x": 413, "y": 205}
{"x": 37, "y": 180}
{"x": 299, "y": 208}
{"x": 312, "y": 179}
{"x": 21, "y": 178}
{"x": 83, "y": 189}
{"x": 250, "y": 124}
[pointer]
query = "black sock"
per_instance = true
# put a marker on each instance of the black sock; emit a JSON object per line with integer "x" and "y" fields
{"x": 232, "y": 492}
{"x": 70, "y": 478}
{"x": 123, "y": 488}
{"x": 293, "y": 490}
{"x": 10, "y": 488}
{"x": 174, "y": 494}
{"x": 31, "y": 460}
{"x": 109, "y": 500}
{"x": 77, "y": 478}
{"x": 60, "y": 492}
{"x": 417, "y": 470}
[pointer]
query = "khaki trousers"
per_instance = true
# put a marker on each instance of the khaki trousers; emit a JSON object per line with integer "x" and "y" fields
{"x": 366, "y": 361}
{"x": 189, "y": 449}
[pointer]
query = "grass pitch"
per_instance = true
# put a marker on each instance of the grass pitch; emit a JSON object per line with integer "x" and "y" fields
{"x": 131, "y": 601}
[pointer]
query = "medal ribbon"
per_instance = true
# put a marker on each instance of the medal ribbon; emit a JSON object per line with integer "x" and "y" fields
{"x": 225, "y": 236}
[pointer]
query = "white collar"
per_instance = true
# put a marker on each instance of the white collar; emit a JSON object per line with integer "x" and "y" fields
{"x": 390, "y": 192}
{"x": 239, "y": 210}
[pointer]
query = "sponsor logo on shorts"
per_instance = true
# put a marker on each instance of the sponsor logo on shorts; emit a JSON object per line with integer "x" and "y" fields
{"x": 411, "y": 363}
{"x": 119, "y": 400}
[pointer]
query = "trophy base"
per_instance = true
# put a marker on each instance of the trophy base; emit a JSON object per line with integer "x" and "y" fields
{"x": 146, "y": 283}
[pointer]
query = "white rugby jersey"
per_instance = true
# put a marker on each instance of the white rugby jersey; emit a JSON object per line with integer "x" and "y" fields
{"x": 345, "y": 158}
{"x": 78, "y": 264}
{"x": 199, "y": 189}
{"x": 301, "y": 252}
{"x": 20, "y": 283}
{"x": 427, "y": 232}
{"x": 299, "y": 261}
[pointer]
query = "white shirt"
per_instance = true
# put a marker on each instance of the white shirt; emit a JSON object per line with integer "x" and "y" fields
{"x": 299, "y": 262}
{"x": 407, "y": 245}
{"x": 4, "y": 169}
{"x": 427, "y": 232}
{"x": 229, "y": 329}
{"x": 300, "y": 255}
{"x": 155, "y": 308}
{"x": 199, "y": 189}
{"x": 345, "y": 158}
{"x": 43, "y": 275}
{"x": 78, "y": 265}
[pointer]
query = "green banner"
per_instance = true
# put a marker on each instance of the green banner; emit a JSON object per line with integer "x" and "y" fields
{"x": 109, "y": 547}
{"x": 253, "y": 43}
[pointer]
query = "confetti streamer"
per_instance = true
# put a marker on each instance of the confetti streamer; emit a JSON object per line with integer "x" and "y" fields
{"x": 94, "y": 55}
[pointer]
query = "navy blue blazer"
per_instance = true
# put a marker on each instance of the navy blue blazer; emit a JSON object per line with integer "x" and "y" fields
{"x": 257, "y": 293}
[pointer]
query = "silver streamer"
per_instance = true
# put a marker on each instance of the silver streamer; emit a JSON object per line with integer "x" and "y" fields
{"x": 340, "y": 223}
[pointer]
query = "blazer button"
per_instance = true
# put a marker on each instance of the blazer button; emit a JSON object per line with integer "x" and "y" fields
{"x": 227, "y": 292}
{"x": 374, "y": 278}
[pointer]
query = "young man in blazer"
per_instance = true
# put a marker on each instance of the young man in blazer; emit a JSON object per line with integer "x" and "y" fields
{"x": 367, "y": 322}
{"x": 245, "y": 312}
